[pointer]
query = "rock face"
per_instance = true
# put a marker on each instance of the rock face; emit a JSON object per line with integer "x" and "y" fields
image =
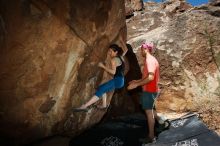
{"x": 188, "y": 49}
{"x": 49, "y": 55}
{"x": 174, "y": 6}
{"x": 132, "y": 6}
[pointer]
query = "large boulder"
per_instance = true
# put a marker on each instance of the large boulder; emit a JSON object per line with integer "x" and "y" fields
{"x": 133, "y": 5}
{"x": 188, "y": 50}
{"x": 175, "y": 6}
{"x": 214, "y": 2}
{"x": 49, "y": 55}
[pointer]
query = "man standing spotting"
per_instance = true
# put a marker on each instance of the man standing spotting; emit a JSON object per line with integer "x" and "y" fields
{"x": 149, "y": 83}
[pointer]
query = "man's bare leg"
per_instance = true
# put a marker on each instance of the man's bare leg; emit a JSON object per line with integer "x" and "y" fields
{"x": 151, "y": 122}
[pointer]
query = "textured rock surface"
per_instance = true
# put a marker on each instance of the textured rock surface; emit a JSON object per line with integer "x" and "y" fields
{"x": 187, "y": 41}
{"x": 187, "y": 48}
{"x": 175, "y": 6}
{"x": 132, "y": 6}
{"x": 49, "y": 55}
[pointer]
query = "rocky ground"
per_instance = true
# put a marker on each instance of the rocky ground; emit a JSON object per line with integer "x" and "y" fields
{"x": 211, "y": 119}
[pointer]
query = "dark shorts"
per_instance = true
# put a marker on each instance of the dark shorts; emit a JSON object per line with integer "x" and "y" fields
{"x": 147, "y": 100}
{"x": 115, "y": 83}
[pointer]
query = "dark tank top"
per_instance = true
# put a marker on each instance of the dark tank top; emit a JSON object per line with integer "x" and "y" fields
{"x": 120, "y": 69}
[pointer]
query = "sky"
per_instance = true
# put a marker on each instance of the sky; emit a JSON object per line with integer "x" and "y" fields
{"x": 192, "y": 2}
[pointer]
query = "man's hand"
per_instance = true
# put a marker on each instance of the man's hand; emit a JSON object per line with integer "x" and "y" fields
{"x": 132, "y": 86}
{"x": 133, "y": 81}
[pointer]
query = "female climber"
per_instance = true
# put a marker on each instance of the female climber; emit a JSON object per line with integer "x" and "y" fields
{"x": 117, "y": 70}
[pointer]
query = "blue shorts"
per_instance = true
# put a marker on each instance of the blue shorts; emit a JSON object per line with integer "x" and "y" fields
{"x": 115, "y": 83}
{"x": 147, "y": 100}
